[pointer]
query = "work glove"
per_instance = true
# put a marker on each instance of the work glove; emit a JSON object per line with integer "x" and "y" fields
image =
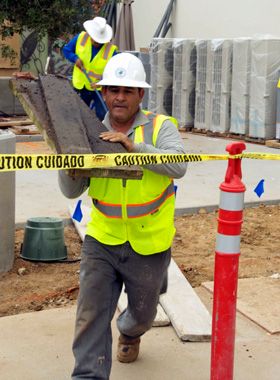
{"x": 79, "y": 64}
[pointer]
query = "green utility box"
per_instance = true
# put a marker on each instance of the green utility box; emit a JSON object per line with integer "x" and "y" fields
{"x": 44, "y": 240}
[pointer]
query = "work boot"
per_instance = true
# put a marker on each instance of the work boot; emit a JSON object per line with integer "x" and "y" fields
{"x": 128, "y": 349}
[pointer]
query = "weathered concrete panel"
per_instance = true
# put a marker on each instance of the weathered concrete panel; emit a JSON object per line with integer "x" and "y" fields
{"x": 67, "y": 123}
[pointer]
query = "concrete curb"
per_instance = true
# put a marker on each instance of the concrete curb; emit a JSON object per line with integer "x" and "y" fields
{"x": 211, "y": 208}
{"x": 185, "y": 210}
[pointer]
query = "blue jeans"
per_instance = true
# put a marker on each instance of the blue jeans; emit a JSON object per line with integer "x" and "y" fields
{"x": 93, "y": 101}
{"x": 104, "y": 269}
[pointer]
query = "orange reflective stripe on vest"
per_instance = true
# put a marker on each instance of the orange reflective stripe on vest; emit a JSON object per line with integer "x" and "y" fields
{"x": 108, "y": 209}
{"x": 94, "y": 75}
{"x": 107, "y": 50}
{"x": 84, "y": 39}
{"x": 137, "y": 210}
{"x": 134, "y": 210}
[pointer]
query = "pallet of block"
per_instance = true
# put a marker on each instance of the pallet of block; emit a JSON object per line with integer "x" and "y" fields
{"x": 10, "y": 122}
{"x": 273, "y": 143}
{"x": 25, "y": 130}
{"x": 19, "y": 125}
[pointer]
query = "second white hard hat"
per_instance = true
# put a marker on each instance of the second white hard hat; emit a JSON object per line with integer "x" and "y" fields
{"x": 99, "y": 30}
{"x": 124, "y": 70}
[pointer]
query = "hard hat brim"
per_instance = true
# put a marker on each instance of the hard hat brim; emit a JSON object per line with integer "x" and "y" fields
{"x": 122, "y": 83}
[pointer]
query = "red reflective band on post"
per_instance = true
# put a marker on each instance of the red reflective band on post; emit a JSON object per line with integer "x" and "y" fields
{"x": 230, "y": 222}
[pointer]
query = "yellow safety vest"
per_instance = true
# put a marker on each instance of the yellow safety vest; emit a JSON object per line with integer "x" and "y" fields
{"x": 138, "y": 211}
{"x": 95, "y": 67}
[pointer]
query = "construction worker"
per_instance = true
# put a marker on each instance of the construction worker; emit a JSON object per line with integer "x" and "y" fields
{"x": 90, "y": 51}
{"x": 131, "y": 230}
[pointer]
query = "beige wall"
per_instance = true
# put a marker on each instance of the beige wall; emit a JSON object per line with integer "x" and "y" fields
{"x": 207, "y": 19}
{"x": 7, "y": 67}
{"x": 146, "y": 18}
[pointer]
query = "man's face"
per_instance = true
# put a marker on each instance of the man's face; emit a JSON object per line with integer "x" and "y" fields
{"x": 94, "y": 43}
{"x": 122, "y": 102}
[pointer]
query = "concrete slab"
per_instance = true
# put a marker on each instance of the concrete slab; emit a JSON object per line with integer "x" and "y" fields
{"x": 161, "y": 319}
{"x": 252, "y": 297}
{"x": 188, "y": 315}
{"x": 37, "y": 346}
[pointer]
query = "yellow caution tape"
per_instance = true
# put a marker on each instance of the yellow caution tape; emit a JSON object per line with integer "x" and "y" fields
{"x": 11, "y": 162}
{"x": 261, "y": 156}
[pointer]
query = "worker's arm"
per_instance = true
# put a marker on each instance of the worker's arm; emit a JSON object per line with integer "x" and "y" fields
{"x": 168, "y": 141}
{"x": 72, "y": 187}
{"x": 69, "y": 50}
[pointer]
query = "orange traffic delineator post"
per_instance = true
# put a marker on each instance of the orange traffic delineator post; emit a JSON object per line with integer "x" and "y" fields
{"x": 227, "y": 254}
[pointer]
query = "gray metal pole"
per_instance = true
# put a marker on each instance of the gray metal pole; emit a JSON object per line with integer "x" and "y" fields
{"x": 166, "y": 29}
{"x": 164, "y": 19}
{"x": 7, "y": 205}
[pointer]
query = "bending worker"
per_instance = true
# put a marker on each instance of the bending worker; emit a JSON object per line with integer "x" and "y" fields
{"x": 90, "y": 51}
{"x": 131, "y": 230}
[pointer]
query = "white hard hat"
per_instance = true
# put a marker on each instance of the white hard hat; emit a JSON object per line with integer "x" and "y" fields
{"x": 125, "y": 70}
{"x": 99, "y": 30}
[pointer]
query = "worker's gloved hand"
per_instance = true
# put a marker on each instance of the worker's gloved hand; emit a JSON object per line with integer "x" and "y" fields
{"x": 94, "y": 86}
{"x": 118, "y": 137}
{"x": 79, "y": 64}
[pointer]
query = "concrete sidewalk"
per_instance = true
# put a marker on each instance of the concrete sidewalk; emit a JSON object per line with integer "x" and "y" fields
{"x": 37, "y": 346}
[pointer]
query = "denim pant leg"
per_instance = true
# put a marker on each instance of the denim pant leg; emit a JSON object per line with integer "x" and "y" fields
{"x": 145, "y": 278}
{"x": 100, "y": 287}
{"x": 98, "y": 105}
{"x": 86, "y": 95}
{"x": 93, "y": 101}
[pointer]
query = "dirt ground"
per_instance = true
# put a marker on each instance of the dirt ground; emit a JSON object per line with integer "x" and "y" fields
{"x": 32, "y": 286}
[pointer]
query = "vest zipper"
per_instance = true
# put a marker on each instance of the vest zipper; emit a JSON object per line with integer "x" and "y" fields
{"x": 124, "y": 202}
{"x": 124, "y": 210}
